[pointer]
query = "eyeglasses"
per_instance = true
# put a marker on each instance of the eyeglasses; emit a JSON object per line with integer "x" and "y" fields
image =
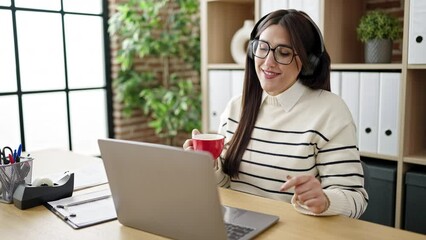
{"x": 282, "y": 54}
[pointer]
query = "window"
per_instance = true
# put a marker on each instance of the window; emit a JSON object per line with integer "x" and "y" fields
{"x": 54, "y": 74}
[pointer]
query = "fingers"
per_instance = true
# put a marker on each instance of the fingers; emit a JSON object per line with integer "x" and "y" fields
{"x": 308, "y": 192}
{"x": 294, "y": 181}
{"x": 187, "y": 145}
{"x": 317, "y": 204}
{"x": 195, "y": 132}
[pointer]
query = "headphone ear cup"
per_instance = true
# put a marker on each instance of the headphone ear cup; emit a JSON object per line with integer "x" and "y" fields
{"x": 311, "y": 66}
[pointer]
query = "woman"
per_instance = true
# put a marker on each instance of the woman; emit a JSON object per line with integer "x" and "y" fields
{"x": 288, "y": 137}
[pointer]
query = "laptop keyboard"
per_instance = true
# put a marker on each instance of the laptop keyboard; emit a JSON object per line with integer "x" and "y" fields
{"x": 236, "y": 232}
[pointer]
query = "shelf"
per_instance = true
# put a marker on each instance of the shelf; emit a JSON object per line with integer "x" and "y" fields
{"x": 416, "y": 66}
{"x": 415, "y": 113}
{"x": 341, "y": 18}
{"x": 229, "y": 66}
{"x": 419, "y": 158}
{"x": 379, "y": 156}
{"x": 334, "y": 66}
{"x": 224, "y": 18}
{"x": 338, "y": 22}
{"x": 364, "y": 66}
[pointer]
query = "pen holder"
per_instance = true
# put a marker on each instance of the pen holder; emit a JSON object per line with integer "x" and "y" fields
{"x": 11, "y": 175}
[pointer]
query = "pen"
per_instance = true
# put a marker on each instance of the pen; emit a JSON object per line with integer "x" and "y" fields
{"x": 18, "y": 155}
{"x": 11, "y": 159}
{"x": 83, "y": 201}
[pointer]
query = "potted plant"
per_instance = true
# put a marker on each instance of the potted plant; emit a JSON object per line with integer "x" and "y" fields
{"x": 378, "y": 30}
{"x": 167, "y": 30}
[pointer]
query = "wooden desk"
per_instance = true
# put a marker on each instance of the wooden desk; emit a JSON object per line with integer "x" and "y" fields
{"x": 40, "y": 223}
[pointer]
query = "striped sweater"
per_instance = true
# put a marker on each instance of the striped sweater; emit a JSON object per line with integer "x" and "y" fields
{"x": 301, "y": 131}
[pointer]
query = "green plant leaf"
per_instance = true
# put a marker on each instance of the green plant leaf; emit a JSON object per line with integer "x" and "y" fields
{"x": 378, "y": 25}
{"x": 176, "y": 105}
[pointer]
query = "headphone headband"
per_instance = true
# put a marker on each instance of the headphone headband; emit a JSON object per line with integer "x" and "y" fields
{"x": 316, "y": 28}
{"x": 256, "y": 26}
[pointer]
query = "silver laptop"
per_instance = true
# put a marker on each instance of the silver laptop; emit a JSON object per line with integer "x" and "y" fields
{"x": 171, "y": 192}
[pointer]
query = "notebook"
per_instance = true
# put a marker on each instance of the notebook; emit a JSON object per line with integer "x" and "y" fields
{"x": 171, "y": 192}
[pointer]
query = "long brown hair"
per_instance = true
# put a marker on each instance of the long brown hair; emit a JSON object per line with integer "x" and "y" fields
{"x": 305, "y": 40}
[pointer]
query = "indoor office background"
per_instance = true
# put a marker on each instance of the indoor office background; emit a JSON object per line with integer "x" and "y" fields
{"x": 56, "y": 69}
{"x": 54, "y": 74}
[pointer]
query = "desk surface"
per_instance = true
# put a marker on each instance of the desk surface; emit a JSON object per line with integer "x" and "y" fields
{"x": 40, "y": 223}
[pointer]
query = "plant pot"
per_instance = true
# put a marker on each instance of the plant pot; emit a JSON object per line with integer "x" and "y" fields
{"x": 378, "y": 51}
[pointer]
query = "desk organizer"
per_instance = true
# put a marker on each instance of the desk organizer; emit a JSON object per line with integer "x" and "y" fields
{"x": 12, "y": 175}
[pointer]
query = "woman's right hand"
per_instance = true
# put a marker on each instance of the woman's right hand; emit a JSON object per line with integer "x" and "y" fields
{"x": 188, "y": 145}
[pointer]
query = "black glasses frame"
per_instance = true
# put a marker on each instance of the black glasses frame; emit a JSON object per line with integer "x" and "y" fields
{"x": 255, "y": 42}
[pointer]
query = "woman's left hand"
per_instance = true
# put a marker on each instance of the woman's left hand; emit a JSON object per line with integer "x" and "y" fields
{"x": 308, "y": 191}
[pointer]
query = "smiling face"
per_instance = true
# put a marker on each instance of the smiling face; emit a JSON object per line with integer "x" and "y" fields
{"x": 274, "y": 77}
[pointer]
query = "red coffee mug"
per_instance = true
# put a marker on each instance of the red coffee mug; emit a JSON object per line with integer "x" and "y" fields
{"x": 209, "y": 142}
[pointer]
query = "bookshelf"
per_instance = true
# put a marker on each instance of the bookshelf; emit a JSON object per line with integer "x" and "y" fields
{"x": 338, "y": 19}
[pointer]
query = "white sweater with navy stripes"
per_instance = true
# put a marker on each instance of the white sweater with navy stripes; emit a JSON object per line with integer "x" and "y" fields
{"x": 301, "y": 131}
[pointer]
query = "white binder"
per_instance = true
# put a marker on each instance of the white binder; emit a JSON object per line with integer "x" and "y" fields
{"x": 335, "y": 82}
{"x": 350, "y": 94}
{"x": 237, "y": 82}
{"x": 267, "y": 6}
{"x": 369, "y": 111}
{"x": 311, "y": 7}
{"x": 219, "y": 95}
{"x": 388, "y": 113}
{"x": 417, "y": 33}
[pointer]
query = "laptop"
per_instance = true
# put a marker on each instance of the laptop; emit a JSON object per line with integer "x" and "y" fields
{"x": 170, "y": 192}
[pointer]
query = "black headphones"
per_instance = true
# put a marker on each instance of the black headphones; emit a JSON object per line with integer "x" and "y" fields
{"x": 313, "y": 59}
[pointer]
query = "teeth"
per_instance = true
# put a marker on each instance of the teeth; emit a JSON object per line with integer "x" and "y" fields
{"x": 270, "y": 73}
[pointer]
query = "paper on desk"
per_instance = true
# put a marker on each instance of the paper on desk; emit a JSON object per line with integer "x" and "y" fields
{"x": 86, "y": 209}
{"x": 92, "y": 174}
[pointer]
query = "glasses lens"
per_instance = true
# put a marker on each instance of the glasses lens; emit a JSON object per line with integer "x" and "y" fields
{"x": 260, "y": 48}
{"x": 283, "y": 55}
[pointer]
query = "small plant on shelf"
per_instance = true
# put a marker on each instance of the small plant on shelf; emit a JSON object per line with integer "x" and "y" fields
{"x": 378, "y": 30}
{"x": 378, "y": 25}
